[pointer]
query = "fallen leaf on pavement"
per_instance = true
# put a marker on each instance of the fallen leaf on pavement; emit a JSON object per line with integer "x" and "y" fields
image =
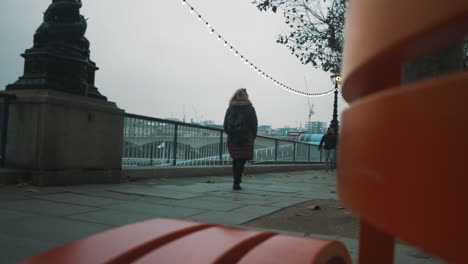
{"x": 236, "y": 199}
{"x": 127, "y": 179}
{"x": 347, "y": 213}
{"x": 340, "y": 207}
{"x": 332, "y": 191}
{"x": 315, "y": 177}
{"x": 22, "y": 183}
{"x": 314, "y": 207}
{"x": 209, "y": 182}
{"x": 34, "y": 190}
{"x": 151, "y": 183}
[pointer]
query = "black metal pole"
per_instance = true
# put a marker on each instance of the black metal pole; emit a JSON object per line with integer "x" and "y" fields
{"x": 276, "y": 151}
{"x": 334, "y": 122}
{"x": 174, "y": 150}
{"x": 221, "y": 148}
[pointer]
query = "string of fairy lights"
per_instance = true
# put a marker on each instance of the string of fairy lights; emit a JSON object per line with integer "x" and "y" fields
{"x": 247, "y": 61}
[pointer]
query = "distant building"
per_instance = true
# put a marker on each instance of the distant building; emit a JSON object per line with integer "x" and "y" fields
{"x": 207, "y": 123}
{"x": 295, "y": 133}
{"x": 316, "y": 127}
{"x": 173, "y": 119}
{"x": 264, "y": 130}
{"x": 281, "y": 131}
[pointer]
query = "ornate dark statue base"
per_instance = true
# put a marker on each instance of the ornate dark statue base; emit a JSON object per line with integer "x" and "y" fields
{"x": 61, "y": 130}
{"x": 60, "y": 57}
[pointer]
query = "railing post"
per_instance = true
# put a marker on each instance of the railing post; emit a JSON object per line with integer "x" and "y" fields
{"x": 151, "y": 154}
{"x": 174, "y": 145}
{"x": 276, "y": 151}
{"x": 308, "y": 152}
{"x": 294, "y": 152}
{"x": 220, "y": 147}
{"x": 6, "y": 108}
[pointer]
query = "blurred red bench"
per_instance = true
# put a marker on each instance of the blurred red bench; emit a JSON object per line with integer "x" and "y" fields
{"x": 174, "y": 241}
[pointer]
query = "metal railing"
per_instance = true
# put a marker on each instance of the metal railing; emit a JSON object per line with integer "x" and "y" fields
{"x": 6, "y": 99}
{"x": 152, "y": 141}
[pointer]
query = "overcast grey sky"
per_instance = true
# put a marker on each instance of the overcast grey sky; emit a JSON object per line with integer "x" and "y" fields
{"x": 157, "y": 59}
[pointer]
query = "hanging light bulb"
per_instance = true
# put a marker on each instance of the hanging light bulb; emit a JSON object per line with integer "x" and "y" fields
{"x": 256, "y": 69}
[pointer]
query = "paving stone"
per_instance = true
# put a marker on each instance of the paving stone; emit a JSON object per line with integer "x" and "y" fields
{"x": 79, "y": 199}
{"x": 153, "y": 191}
{"x": 113, "y": 217}
{"x": 246, "y": 188}
{"x": 235, "y": 217}
{"x": 22, "y": 193}
{"x": 317, "y": 195}
{"x": 8, "y": 214}
{"x": 199, "y": 187}
{"x": 243, "y": 195}
{"x": 175, "y": 181}
{"x": 156, "y": 200}
{"x": 7, "y": 196}
{"x": 45, "y": 207}
{"x": 156, "y": 210}
{"x": 222, "y": 218}
{"x": 241, "y": 199}
{"x": 35, "y": 221}
{"x": 16, "y": 249}
{"x": 288, "y": 202}
{"x": 115, "y": 195}
{"x": 90, "y": 187}
{"x": 216, "y": 205}
{"x": 51, "y": 229}
{"x": 255, "y": 210}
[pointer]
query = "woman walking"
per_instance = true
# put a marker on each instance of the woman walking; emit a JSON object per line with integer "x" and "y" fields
{"x": 240, "y": 124}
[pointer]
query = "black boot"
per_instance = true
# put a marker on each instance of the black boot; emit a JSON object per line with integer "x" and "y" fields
{"x": 237, "y": 175}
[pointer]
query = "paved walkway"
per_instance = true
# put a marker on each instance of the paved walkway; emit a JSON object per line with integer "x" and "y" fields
{"x": 34, "y": 219}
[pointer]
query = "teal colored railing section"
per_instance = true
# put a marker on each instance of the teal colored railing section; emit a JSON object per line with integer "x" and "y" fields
{"x": 152, "y": 141}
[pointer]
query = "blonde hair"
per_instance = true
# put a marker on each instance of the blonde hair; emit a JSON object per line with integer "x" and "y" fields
{"x": 240, "y": 97}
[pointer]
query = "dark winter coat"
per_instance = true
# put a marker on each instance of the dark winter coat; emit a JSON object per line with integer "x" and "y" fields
{"x": 330, "y": 141}
{"x": 245, "y": 149}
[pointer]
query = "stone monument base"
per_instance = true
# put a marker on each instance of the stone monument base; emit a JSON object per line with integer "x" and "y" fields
{"x": 62, "y": 138}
